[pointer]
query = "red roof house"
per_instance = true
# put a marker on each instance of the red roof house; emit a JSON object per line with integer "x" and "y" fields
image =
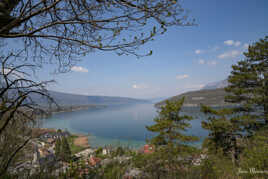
{"x": 148, "y": 149}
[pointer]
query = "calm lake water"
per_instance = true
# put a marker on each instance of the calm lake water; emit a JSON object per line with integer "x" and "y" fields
{"x": 117, "y": 125}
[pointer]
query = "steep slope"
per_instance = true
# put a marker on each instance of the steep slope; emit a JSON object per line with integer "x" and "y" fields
{"x": 212, "y": 97}
{"x": 216, "y": 85}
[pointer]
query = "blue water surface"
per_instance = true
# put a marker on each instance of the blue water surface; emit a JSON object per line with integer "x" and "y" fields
{"x": 117, "y": 125}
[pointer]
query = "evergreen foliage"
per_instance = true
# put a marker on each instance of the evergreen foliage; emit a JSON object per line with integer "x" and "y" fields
{"x": 62, "y": 149}
{"x": 248, "y": 86}
{"x": 65, "y": 150}
{"x": 224, "y": 130}
{"x": 58, "y": 148}
{"x": 255, "y": 155}
{"x": 171, "y": 126}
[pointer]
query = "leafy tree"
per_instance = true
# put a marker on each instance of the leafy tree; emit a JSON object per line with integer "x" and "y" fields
{"x": 119, "y": 151}
{"x": 59, "y": 131}
{"x": 98, "y": 151}
{"x": 248, "y": 86}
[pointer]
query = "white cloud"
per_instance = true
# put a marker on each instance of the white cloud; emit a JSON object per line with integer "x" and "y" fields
{"x": 232, "y": 43}
{"x": 79, "y": 69}
{"x": 245, "y": 46}
{"x": 212, "y": 63}
{"x": 198, "y": 51}
{"x": 228, "y": 42}
{"x": 201, "y": 61}
{"x": 237, "y": 43}
{"x": 180, "y": 77}
{"x": 230, "y": 54}
{"x": 139, "y": 86}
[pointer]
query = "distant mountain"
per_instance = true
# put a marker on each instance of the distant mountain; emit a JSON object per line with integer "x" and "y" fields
{"x": 211, "y": 97}
{"x": 156, "y": 100}
{"x": 66, "y": 99}
{"x": 216, "y": 85}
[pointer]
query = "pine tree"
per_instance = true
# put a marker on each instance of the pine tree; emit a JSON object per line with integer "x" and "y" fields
{"x": 248, "y": 86}
{"x": 58, "y": 148}
{"x": 65, "y": 150}
{"x": 62, "y": 149}
{"x": 248, "y": 90}
{"x": 171, "y": 126}
{"x": 224, "y": 129}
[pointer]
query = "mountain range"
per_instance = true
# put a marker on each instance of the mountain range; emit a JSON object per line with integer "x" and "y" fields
{"x": 67, "y": 99}
{"x": 216, "y": 85}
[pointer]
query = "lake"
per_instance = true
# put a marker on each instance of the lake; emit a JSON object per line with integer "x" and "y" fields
{"x": 117, "y": 125}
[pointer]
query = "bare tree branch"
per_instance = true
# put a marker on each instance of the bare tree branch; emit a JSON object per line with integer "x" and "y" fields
{"x": 17, "y": 107}
{"x": 64, "y": 30}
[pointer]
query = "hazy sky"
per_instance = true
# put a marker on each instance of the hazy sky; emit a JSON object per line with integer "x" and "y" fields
{"x": 185, "y": 58}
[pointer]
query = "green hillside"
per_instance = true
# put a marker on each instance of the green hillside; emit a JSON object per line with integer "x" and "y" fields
{"x": 211, "y": 97}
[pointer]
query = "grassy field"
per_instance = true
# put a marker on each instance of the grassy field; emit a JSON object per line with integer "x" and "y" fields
{"x": 75, "y": 148}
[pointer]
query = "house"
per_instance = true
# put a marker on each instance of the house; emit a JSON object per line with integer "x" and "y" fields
{"x": 93, "y": 161}
{"x": 55, "y": 135}
{"x": 106, "y": 150}
{"x": 85, "y": 153}
{"x": 147, "y": 149}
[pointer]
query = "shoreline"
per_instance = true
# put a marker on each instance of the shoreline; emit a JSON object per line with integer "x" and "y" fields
{"x": 72, "y": 109}
{"x": 64, "y": 109}
{"x": 79, "y": 138}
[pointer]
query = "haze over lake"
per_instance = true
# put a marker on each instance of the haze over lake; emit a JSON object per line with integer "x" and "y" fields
{"x": 124, "y": 125}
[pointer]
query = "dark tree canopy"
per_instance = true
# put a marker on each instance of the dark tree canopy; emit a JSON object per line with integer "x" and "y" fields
{"x": 224, "y": 129}
{"x": 171, "y": 125}
{"x": 62, "y": 30}
{"x": 249, "y": 85}
{"x": 62, "y": 149}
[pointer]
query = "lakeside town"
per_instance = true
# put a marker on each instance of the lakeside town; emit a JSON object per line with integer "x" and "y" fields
{"x": 44, "y": 156}
{"x": 133, "y": 89}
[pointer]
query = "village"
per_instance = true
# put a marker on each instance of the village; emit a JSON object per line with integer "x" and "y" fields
{"x": 44, "y": 156}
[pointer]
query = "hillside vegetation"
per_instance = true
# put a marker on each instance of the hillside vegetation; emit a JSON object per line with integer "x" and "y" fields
{"x": 211, "y": 97}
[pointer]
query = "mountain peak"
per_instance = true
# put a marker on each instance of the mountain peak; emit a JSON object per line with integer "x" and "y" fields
{"x": 216, "y": 85}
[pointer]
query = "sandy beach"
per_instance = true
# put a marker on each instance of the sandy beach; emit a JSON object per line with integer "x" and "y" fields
{"x": 81, "y": 140}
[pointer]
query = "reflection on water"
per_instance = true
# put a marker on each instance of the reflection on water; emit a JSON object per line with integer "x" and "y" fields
{"x": 117, "y": 125}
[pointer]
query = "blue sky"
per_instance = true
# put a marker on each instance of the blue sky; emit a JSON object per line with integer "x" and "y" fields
{"x": 185, "y": 58}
